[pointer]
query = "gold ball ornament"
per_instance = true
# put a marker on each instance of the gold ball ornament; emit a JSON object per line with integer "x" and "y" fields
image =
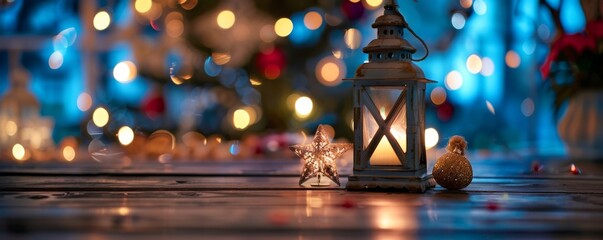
{"x": 453, "y": 170}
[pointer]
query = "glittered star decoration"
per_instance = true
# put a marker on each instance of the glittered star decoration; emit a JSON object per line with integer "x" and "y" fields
{"x": 319, "y": 157}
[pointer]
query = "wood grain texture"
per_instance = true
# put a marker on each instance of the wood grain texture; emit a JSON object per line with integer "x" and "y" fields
{"x": 235, "y": 203}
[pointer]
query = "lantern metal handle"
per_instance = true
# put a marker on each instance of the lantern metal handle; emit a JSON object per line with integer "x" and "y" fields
{"x": 422, "y": 42}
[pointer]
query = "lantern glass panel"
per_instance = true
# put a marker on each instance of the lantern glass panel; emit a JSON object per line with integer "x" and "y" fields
{"x": 384, "y": 100}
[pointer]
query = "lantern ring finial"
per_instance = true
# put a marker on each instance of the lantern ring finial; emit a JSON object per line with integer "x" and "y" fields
{"x": 422, "y": 42}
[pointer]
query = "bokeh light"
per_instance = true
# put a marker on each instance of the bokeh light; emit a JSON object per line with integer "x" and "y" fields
{"x": 188, "y": 4}
{"x": 372, "y": 4}
{"x": 474, "y": 64}
{"x": 312, "y": 20}
{"x": 527, "y": 107}
{"x": 438, "y": 95}
{"x": 55, "y": 60}
{"x": 226, "y": 19}
{"x": 487, "y": 67}
{"x": 211, "y": 68}
{"x": 19, "y": 152}
{"x": 431, "y": 138}
{"x": 490, "y": 107}
{"x": 255, "y": 82}
{"x": 458, "y": 20}
{"x": 11, "y": 128}
{"x": 100, "y": 117}
{"x": 466, "y": 3}
{"x": 154, "y": 14}
{"x": 174, "y": 27}
{"x": 84, "y": 101}
{"x": 221, "y": 58}
{"x": 68, "y": 153}
{"x": 479, "y": 6}
{"x": 303, "y": 107}
{"x": 352, "y": 38}
{"x": 143, "y": 6}
{"x": 124, "y": 72}
{"x": 272, "y": 71}
{"x": 283, "y": 27}
{"x": 125, "y": 135}
{"x": 267, "y": 33}
{"x": 101, "y": 20}
{"x": 330, "y": 70}
{"x": 241, "y": 119}
{"x": 512, "y": 59}
{"x": 454, "y": 80}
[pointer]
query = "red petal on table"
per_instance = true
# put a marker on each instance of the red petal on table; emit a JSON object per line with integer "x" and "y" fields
{"x": 575, "y": 170}
{"x": 492, "y": 206}
{"x": 278, "y": 218}
{"x": 348, "y": 204}
{"x": 537, "y": 167}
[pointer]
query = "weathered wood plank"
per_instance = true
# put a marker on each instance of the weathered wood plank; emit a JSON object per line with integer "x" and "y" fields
{"x": 261, "y": 199}
{"x": 300, "y": 213}
{"x": 198, "y": 183}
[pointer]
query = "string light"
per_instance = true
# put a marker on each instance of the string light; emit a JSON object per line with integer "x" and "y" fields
{"x": 512, "y": 59}
{"x": 101, "y": 20}
{"x": 438, "y": 95}
{"x": 124, "y": 72}
{"x": 84, "y": 101}
{"x": 458, "y": 20}
{"x": 303, "y": 107}
{"x": 372, "y": 4}
{"x": 68, "y": 153}
{"x": 19, "y": 152}
{"x": 352, "y": 38}
{"x": 283, "y": 27}
{"x": 125, "y": 135}
{"x": 487, "y": 67}
{"x": 329, "y": 71}
{"x": 474, "y": 64}
{"x": 55, "y": 60}
{"x": 100, "y": 117}
{"x": 241, "y": 119}
{"x": 143, "y": 6}
{"x": 431, "y": 138}
{"x": 312, "y": 20}
{"x": 454, "y": 80}
{"x": 226, "y": 19}
{"x": 480, "y": 7}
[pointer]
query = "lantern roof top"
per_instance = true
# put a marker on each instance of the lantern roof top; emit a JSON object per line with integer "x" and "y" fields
{"x": 390, "y": 55}
{"x": 391, "y": 16}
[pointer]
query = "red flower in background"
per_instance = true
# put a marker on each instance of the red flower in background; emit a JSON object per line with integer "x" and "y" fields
{"x": 595, "y": 28}
{"x": 572, "y": 46}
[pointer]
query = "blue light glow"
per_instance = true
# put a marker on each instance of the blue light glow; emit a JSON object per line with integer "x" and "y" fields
{"x": 132, "y": 92}
{"x": 302, "y": 36}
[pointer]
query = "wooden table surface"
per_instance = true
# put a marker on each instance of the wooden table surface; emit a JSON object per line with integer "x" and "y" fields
{"x": 261, "y": 200}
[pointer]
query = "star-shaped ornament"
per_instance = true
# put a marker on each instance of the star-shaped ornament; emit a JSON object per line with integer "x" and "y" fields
{"x": 319, "y": 157}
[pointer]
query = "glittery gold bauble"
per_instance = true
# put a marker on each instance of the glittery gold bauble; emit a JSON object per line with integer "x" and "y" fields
{"x": 453, "y": 170}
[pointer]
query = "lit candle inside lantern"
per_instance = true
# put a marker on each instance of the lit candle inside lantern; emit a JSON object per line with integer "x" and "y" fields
{"x": 384, "y": 152}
